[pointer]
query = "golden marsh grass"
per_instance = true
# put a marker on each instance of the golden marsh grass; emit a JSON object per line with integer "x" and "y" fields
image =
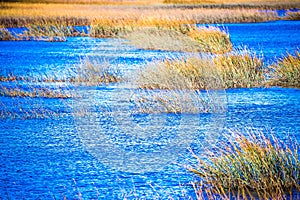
{"x": 286, "y": 72}
{"x": 181, "y": 38}
{"x": 235, "y": 70}
{"x": 249, "y": 166}
{"x": 23, "y": 14}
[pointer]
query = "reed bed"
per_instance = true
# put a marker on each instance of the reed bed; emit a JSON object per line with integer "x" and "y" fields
{"x": 226, "y": 1}
{"x": 286, "y": 72}
{"x": 211, "y": 39}
{"x": 235, "y": 70}
{"x": 6, "y": 35}
{"x": 98, "y": 2}
{"x": 181, "y": 38}
{"x": 48, "y": 33}
{"x": 22, "y": 14}
{"x": 240, "y": 70}
{"x": 292, "y": 15}
{"x": 95, "y": 72}
{"x": 250, "y": 166}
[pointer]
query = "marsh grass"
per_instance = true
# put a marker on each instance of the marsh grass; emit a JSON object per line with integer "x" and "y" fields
{"x": 88, "y": 72}
{"x": 235, "y": 70}
{"x": 181, "y": 38}
{"x": 251, "y": 166}
{"x": 95, "y": 72}
{"x": 35, "y": 93}
{"x": 286, "y": 72}
{"x": 164, "y": 88}
{"x": 211, "y": 39}
{"x": 292, "y": 15}
{"x": 50, "y": 33}
{"x": 240, "y": 69}
{"x": 238, "y": 3}
{"x": 107, "y": 17}
{"x": 28, "y": 100}
{"x": 6, "y": 35}
{"x": 162, "y": 39}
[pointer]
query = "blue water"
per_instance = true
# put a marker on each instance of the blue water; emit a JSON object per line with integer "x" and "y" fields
{"x": 98, "y": 147}
{"x": 270, "y": 40}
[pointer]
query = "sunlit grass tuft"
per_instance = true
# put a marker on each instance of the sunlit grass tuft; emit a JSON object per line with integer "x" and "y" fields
{"x": 211, "y": 39}
{"x": 286, "y": 72}
{"x": 252, "y": 166}
{"x": 241, "y": 69}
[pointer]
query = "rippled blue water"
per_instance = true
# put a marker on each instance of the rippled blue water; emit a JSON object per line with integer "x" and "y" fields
{"x": 269, "y": 40}
{"x": 112, "y": 152}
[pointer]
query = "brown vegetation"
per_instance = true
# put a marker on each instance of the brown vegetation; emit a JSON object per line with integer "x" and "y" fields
{"x": 23, "y": 14}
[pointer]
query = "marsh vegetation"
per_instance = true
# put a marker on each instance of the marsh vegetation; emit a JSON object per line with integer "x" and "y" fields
{"x": 249, "y": 166}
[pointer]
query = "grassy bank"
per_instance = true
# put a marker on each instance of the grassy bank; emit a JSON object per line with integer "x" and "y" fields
{"x": 24, "y": 14}
{"x": 249, "y": 166}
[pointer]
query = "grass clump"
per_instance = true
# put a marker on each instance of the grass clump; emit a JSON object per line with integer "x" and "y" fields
{"x": 292, "y": 15}
{"x": 6, "y": 35}
{"x": 181, "y": 38}
{"x": 249, "y": 167}
{"x": 211, "y": 39}
{"x": 286, "y": 72}
{"x": 236, "y": 70}
{"x": 240, "y": 70}
{"x": 162, "y": 39}
{"x": 49, "y": 33}
{"x": 93, "y": 72}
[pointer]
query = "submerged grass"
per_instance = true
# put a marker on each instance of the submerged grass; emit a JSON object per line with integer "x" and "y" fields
{"x": 89, "y": 72}
{"x": 286, "y": 72}
{"x": 252, "y": 166}
{"x": 35, "y": 93}
{"x": 95, "y": 72}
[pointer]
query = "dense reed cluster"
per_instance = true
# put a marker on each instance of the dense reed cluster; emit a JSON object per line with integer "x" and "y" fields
{"x": 181, "y": 38}
{"x": 251, "y": 166}
{"x": 235, "y": 70}
{"x": 286, "y": 72}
